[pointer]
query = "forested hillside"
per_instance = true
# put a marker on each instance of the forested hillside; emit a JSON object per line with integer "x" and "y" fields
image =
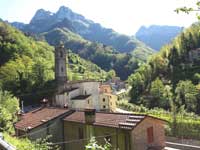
{"x": 172, "y": 76}
{"x": 123, "y": 63}
{"x": 27, "y": 66}
{"x": 89, "y": 40}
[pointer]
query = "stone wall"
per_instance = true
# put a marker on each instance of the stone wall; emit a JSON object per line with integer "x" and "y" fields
{"x": 139, "y": 134}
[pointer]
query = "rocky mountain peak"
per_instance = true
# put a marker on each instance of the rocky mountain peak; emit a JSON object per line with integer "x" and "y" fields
{"x": 65, "y": 12}
{"x": 41, "y": 14}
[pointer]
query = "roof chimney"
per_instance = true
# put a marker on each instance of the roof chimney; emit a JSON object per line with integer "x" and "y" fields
{"x": 90, "y": 116}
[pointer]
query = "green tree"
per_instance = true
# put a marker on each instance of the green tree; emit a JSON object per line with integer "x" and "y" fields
{"x": 137, "y": 83}
{"x": 9, "y": 106}
{"x": 111, "y": 74}
{"x": 186, "y": 94}
{"x": 157, "y": 92}
{"x": 93, "y": 145}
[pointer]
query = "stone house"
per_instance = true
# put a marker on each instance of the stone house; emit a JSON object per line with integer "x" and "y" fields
{"x": 123, "y": 131}
{"x": 42, "y": 122}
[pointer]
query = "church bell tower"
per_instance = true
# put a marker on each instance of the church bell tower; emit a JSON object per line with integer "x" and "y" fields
{"x": 60, "y": 64}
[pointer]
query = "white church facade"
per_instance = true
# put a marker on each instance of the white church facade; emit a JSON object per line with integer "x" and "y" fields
{"x": 73, "y": 94}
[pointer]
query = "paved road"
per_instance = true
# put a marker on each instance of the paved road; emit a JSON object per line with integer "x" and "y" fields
{"x": 169, "y": 148}
{"x": 123, "y": 111}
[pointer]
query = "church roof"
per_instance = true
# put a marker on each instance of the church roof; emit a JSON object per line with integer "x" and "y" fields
{"x": 81, "y": 81}
{"x": 81, "y": 97}
{"x": 68, "y": 90}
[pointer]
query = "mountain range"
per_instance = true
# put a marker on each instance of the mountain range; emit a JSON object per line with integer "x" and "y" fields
{"x": 90, "y": 40}
{"x": 156, "y": 36}
{"x": 44, "y": 21}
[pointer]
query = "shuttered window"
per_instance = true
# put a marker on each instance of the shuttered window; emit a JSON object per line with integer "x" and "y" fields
{"x": 150, "y": 135}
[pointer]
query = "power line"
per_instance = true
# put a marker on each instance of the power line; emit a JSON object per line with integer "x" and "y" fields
{"x": 78, "y": 140}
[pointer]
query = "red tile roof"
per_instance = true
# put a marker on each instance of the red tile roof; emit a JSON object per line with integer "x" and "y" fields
{"x": 116, "y": 120}
{"x": 39, "y": 116}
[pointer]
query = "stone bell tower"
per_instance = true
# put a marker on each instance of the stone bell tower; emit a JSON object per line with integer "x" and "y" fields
{"x": 60, "y": 64}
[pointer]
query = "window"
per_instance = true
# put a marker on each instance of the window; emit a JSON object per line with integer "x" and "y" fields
{"x": 105, "y": 91}
{"x": 80, "y": 133}
{"x": 88, "y": 101}
{"x": 104, "y": 106}
{"x": 62, "y": 69}
{"x": 61, "y": 54}
{"x": 111, "y": 103}
{"x": 104, "y": 99}
{"x": 150, "y": 135}
{"x": 85, "y": 92}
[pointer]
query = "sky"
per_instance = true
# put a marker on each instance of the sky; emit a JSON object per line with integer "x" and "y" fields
{"x": 124, "y": 16}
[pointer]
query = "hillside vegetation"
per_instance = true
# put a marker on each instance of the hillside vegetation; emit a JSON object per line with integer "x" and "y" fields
{"x": 89, "y": 40}
{"x": 27, "y": 66}
{"x": 124, "y": 64}
{"x": 170, "y": 79}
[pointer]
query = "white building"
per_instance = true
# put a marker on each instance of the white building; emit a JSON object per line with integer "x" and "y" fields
{"x": 73, "y": 94}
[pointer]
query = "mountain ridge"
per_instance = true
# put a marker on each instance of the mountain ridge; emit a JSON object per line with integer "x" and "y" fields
{"x": 43, "y": 21}
{"x": 157, "y": 36}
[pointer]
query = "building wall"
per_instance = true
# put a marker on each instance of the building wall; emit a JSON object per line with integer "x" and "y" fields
{"x": 109, "y": 103}
{"x": 119, "y": 138}
{"x": 84, "y": 88}
{"x": 105, "y": 89}
{"x": 139, "y": 140}
{"x": 61, "y": 99}
{"x": 82, "y": 104}
{"x": 65, "y": 98}
{"x": 91, "y": 88}
{"x": 74, "y": 93}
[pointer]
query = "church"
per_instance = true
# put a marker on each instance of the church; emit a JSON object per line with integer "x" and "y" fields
{"x": 76, "y": 95}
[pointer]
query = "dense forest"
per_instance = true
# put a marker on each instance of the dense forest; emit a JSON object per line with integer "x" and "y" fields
{"x": 27, "y": 66}
{"x": 172, "y": 76}
{"x": 122, "y": 63}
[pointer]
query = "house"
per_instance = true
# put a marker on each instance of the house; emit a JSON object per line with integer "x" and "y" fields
{"x": 107, "y": 100}
{"x": 123, "y": 131}
{"x": 42, "y": 122}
